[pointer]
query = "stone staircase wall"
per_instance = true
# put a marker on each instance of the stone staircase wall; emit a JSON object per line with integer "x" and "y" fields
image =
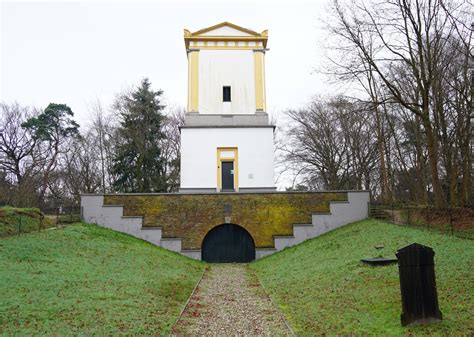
{"x": 94, "y": 211}
{"x": 341, "y": 213}
{"x": 278, "y": 213}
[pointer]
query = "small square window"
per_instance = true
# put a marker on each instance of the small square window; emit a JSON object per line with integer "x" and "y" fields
{"x": 226, "y": 94}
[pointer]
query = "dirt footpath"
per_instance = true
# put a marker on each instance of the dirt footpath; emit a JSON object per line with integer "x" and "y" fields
{"x": 230, "y": 301}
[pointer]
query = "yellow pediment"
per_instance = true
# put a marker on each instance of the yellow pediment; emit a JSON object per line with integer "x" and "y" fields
{"x": 225, "y": 31}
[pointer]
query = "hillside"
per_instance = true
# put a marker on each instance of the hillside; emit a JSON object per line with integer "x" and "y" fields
{"x": 322, "y": 288}
{"x": 14, "y": 220}
{"x": 88, "y": 280}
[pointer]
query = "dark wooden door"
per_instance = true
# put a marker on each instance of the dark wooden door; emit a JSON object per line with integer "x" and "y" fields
{"x": 227, "y": 175}
{"x": 228, "y": 243}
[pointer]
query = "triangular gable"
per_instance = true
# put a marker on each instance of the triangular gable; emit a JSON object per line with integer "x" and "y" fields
{"x": 225, "y": 29}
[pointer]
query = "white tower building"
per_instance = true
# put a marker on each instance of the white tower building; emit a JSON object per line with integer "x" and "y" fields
{"x": 226, "y": 141}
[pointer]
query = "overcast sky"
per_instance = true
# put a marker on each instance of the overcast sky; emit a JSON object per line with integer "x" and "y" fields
{"x": 77, "y": 52}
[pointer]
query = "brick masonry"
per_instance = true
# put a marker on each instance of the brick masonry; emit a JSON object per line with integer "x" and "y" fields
{"x": 189, "y": 217}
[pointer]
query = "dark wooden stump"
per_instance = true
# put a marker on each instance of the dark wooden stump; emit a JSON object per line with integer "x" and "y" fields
{"x": 418, "y": 285}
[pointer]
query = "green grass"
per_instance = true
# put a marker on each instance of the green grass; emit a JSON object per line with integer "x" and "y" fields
{"x": 87, "y": 280}
{"x": 322, "y": 288}
{"x": 14, "y": 221}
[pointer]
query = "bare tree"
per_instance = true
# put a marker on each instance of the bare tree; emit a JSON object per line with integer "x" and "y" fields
{"x": 280, "y": 149}
{"x": 357, "y": 126}
{"x": 318, "y": 145}
{"x": 80, "y": 168}
{"x": 401, "y": 41}
{"x": 16, "y": 143}
{"x": 16, "y": 152}
{"x": 102, "y": 133}
{"x": 171, "y": 147}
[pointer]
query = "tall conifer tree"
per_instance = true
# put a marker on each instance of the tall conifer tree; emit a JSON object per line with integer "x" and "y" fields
{"x": 138, "y": 164}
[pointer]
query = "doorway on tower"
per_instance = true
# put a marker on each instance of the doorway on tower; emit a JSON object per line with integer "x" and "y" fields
{"x": 227, "y": 175}
{"x": 227, "y": 169}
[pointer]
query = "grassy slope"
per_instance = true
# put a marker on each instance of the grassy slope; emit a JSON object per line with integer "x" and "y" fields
{"x": 11, "y": 217}
{"x": 86, "y": 280}
{"x": 322, "y": 288}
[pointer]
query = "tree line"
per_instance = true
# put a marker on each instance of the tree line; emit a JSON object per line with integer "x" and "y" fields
{"x": 46, "y": 158}
{"x": 405, "y": 132}
{"x": 402, "y": 130}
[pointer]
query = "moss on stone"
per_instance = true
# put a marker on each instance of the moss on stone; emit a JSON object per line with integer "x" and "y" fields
{"x": 191, "y": 216}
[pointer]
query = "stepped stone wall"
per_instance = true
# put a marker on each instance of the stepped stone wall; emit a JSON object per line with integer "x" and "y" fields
{"x": 189, "y": 217}
{"x": 179, "y": 222}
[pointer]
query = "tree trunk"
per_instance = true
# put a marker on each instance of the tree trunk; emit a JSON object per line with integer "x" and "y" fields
{"x": 384, "y": 183}
{"x": 420, "y": 181}
{"x": 47, "y": 172}
{"x": 453, "y": 184}
{"x": 438, "y": 194}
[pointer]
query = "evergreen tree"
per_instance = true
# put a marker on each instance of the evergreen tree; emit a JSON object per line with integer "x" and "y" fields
{"x": 138, "y": 164}
{"x": 50, "y": 131}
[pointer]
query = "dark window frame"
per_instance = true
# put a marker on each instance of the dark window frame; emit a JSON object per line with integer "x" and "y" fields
{"x": 226, "y": 93}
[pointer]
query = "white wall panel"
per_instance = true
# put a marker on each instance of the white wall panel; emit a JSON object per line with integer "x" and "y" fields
{"x": 218, "y": 68}
{"x": 199, "y": 156}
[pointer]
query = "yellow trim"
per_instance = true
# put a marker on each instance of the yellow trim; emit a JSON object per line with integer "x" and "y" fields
{"x": 225, "y": 37}
{"x": 227, "y": 47}
{"x": 189, "y": 83}
{"x": 259, "y": 81}
{"x": 235, "y": 159}
{"x": 245, "y": 39}
{"x": 193, "y": 81}
{"x": 189, "y": 36}
{"x": 228, "y": 24}
{"x": 264, "y": 84}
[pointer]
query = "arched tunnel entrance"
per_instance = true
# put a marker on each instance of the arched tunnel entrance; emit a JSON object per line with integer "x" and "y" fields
{"x": 228, "y": 243}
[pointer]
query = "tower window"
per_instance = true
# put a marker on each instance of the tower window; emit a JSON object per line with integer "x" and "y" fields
{"x": 226, "y": 94}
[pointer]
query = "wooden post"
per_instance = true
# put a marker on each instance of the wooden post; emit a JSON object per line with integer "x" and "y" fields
{"x": 428, "y": 216}
{"x": 408, "y": 215}
{"x": 451, "y": 220}
{"x": 393, "y": 215}
{"x": 418, "y": 285}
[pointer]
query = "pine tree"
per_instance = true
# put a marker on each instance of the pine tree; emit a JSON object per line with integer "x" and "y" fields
{"x": 52, "y": 128}
{"x": 138, "y": 164}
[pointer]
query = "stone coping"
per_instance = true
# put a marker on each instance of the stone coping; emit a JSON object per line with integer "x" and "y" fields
{"x": 226, "y": 193}
{"x": 231, "y": 126}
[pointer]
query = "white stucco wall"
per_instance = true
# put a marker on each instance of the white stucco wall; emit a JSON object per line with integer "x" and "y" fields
{"x": 234, "y": 68}
{"x": 199, "y": 156}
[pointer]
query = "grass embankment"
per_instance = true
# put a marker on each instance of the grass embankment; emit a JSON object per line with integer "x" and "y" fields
{"x": 15, "y": 220}
{"x": 457, "y": 221}
{"x": 88, "y": 280}
{"x": 322, "y": 287}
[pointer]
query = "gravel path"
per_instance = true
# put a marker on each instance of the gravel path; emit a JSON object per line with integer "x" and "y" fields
{"x": 230, "y": 301}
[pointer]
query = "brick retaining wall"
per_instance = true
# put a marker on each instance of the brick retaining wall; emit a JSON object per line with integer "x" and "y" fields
{"x": 190, "y": 216}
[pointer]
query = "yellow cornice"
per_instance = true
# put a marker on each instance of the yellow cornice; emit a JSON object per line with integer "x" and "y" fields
{"x": 226, "y": 38}
{"x": 197, "y": 36}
